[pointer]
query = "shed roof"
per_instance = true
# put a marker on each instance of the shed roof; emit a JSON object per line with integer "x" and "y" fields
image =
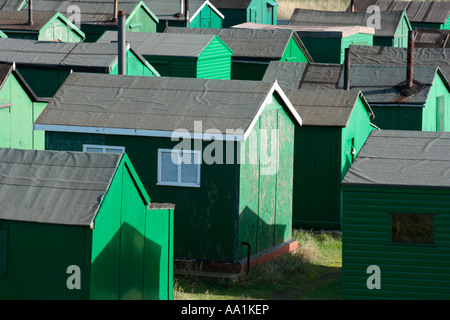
{"x": 82, "y": 56}
{"x": 231, "y": 4}
{"x": 380, "y": 84}
{"x": 251, "y": 43}
{"x": 376, "y": 55}
{"x": 312, "y": 31}
{"x": 431, "y": 38}
{"x": 326, "y": 107}
{"x": 164, "y": 44}
{"x": 158, "y": 106}
{"x": 91, "y": 11}
{"x": 417, "y": 11}
{"x": 18, "y": 20}
{"x": 389, "y": 23}
{"x": 55, "y": 187}
{"x": 402, "y": 159}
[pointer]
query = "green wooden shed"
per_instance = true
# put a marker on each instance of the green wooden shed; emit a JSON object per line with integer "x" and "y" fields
{"x": 421, "y": 14}
{"x": 325, "y": 44}
{"x": 240, "y": 11}
{"x": 47, "y": 26}
{"x": 254, "y": 49}
{"x": 53, "y": 61}
{"x": 80, "y": 225}
{"x": 95, "y": 17}
{"x": 19, "y": 108}
{"x": 395, "y": 239}
{"x": 171, "y": 13}
{"x": 392, "y": 30}
{"x": 336, "y": 123}
{"x": 181, "y": 55}
{"x": 220, "y": 150}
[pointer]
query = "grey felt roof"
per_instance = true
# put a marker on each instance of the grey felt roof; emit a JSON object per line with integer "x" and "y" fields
{"x": 432, "y": 38}
{"x": 397, "y": 56}
{"x": 250, "y": 43}
{"x": 396, "y": 159}
{"x": 325, "y": 107}
{"x": 163, "y": 44}
{"x": 18, "y": 20}
{"x": 83, "y": 56}
{"x": 389, "y": 20}
{"x": 380, "y": 84}
{"x": 55, "y": 187}
{"x": 417, "y": 11}
{"x": 231, "y": 4}
{"x": 155, "y": 103}
{"x": 91, "y": 11}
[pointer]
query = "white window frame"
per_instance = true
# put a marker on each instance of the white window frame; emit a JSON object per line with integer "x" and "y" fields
{"x": 99, "y": 146}
{"x": 178, "y": 183}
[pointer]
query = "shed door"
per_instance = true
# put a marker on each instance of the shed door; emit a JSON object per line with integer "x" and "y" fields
{"x": 253, "y": 16}
{"x": 440, "y": 113}
{"x": 350, "y": 153}
{"x": 206, "y": 22}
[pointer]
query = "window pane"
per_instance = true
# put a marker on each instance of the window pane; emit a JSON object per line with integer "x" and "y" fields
{"x": 189, "y": 168}
{"x": 412, "y": 228}
{"x": 114, "y": 150}
{"x": 169, "y": 169}
{"x": 92, "y": 149}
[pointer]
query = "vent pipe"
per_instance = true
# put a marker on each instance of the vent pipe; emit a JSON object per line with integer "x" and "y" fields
{"x": 352, "y": 5}
{"x": 121, "y": 41}
{"x": 181, "y": 7}
{"x": 186, "y": 12}
{"x": 116, "y": 8}
{"x": 347, "y": 69}
{"x": 30, "y": 12}
{"x": 410, "y": 60}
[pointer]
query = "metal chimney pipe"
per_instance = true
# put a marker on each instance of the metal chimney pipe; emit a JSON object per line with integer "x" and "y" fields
{"x": 121, "y": 41}
{"x": 352, "y": 5}
{"x": 186, "y": 12}
{"x": 410, "y": 60}
{"x": 347, "y": 69}
{"x": 30, "y": 12}
{"x": 116, "y": 7}
{"x": 181, "y": 7}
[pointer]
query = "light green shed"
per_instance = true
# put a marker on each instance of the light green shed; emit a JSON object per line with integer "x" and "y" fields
{"x": 241, "y": 11}
{"x": 19, "y": 108}
{"x": 220, "y": 150}
{"x": 54, "y": 61}
{"x": 3, "y": 35}
{"x": 395, "y": 238}
{"x": 171, "y": 13}
{"x": 181, "y": 55}
{"x": 254, "y": 49}
{"x": 47, "y": 26}
{"x": 80, "y": 225}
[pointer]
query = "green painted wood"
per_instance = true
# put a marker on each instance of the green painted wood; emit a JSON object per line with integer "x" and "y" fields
{"x": 293, "y": 53}
{"x": 407, "y": 271}
{"x": 215, "y": 61}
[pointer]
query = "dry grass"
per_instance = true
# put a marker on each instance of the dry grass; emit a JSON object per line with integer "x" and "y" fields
{"x": 286, "y": 7}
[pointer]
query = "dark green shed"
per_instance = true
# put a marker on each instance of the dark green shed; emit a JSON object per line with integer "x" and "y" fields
{"x": 19, "y": 108}
{"x": 254, "y": 49}
{"x": 220, "y": 150}
{"x": 80, "y": 225}
{"x": 422, "y": 14}
{"x": 392, "y": 30}
{"x": 171, "y": 13}
{"x": 240, "y": 11}
{"x": 45, "y": 65}
{"x": 181, "y": 55}
{"x": 396, "y": 215}
{"x": 47, "y": 26}
{"x": 335, "y": 126}
{"x": 95, "y": 17}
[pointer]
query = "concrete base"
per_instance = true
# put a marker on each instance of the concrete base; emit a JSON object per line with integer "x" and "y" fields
{"x": 215, "y": 268}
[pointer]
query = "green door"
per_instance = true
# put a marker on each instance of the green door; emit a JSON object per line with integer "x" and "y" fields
{"x": 5, "y": 126}
{"x": 350, "y": 153}
{"x": 253, "y": 16}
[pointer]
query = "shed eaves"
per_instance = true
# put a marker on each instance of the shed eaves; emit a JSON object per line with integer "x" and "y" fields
{"x": 402, "y": 159}
{"x": 417, "y": 11}
{"x": 247, "y": 43}
{"x": 313, "y": 18}
{"x": 54, "y": 187}
{"x": 142, "y": 104}
{"x": 231, "y": 4}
